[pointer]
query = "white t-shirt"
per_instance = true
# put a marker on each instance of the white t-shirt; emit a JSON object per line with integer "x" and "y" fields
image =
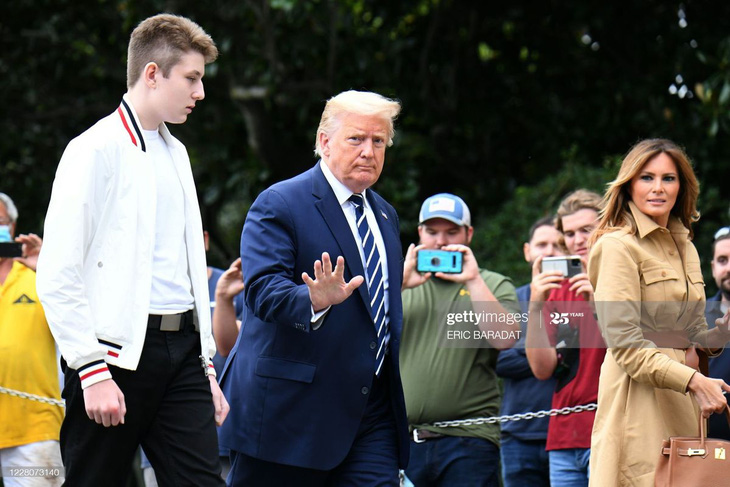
{"x": 171, "y": 286}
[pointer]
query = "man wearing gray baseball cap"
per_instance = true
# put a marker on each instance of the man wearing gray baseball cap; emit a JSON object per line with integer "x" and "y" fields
{"x": 449, "y": 375}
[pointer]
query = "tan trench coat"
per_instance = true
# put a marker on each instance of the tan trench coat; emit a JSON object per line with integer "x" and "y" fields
{"x": 644, "y": 283}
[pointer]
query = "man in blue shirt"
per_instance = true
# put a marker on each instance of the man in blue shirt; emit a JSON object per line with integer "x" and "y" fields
{"x": 524, "y": 459}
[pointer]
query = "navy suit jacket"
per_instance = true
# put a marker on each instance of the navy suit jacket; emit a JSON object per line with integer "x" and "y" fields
{"x": 297, "y": 395}
{"x": 719, "y": 368}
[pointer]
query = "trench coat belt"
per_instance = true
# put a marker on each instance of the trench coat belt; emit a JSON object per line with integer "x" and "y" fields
{"x": 695, "y": 357}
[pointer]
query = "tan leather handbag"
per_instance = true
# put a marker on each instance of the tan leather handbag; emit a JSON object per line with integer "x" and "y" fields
{"x": 690, "y": 461}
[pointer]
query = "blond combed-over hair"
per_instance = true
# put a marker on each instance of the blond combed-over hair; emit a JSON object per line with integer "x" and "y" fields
{"x": 360, "y": 103}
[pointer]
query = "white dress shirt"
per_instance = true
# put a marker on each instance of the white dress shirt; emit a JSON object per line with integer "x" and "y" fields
{"x": 342, "y": 193}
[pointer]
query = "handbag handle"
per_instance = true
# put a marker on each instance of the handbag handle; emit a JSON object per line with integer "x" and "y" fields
{"x": 703, "y": 433}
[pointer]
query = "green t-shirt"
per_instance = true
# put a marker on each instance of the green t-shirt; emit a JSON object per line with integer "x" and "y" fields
{"x": 443, "y": 383}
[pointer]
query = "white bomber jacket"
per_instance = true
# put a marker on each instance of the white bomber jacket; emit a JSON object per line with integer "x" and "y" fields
{"x": 95, "y": 266}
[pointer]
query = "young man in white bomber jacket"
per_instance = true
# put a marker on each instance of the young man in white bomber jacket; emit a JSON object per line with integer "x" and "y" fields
{"x": 122, "y": 277}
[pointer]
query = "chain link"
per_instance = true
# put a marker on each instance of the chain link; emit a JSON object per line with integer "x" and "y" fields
{"x": 516, "y": 417}
{"x": 439, "y": 424}
{"x": 32, "y": 397}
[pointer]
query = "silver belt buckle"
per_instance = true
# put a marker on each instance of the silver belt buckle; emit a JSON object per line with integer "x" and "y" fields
{"x": 170, "y": 322}
{"x": 415, "y": 437}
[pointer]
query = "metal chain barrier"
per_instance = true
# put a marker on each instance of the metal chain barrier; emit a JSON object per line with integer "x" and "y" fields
{"x": 439, "y": 424}
{"x": 516, "y": 417}
{"x": 33, "y": 397}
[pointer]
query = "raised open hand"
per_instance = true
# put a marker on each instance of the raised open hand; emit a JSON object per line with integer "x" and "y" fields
{"x": 328, "y": 286}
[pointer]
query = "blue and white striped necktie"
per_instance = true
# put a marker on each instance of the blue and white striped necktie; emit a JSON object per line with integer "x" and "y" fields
{"x": 375, "y": 280}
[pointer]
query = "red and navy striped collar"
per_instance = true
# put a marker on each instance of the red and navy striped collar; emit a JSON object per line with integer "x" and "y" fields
{"x": 130, "y": 124}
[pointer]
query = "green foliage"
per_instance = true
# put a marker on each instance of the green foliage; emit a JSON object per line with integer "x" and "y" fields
{"x": 714, "y": 92}
{"x": 499, "y": 237}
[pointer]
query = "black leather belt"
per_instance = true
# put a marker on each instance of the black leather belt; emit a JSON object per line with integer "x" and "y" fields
{"x": 419, "y": 436}
{"x": 174, "y": 322}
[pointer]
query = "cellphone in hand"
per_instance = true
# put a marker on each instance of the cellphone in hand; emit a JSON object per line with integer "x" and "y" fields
{"x": 569, "y": 265}
{"x": 11, "y": 249}
{"x": 446, "y": 261}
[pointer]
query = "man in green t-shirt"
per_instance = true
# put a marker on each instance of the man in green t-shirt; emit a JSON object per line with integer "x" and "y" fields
{"x": 454, "y": 324}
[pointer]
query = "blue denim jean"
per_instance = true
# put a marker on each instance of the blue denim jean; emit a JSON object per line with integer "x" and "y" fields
{"x": 524, "y": 463}
{"x": 569, "y": 468}
{"x": 454, "y": 461}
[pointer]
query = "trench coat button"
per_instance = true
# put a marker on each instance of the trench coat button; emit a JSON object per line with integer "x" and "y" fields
{"x": 671, "y": 252}
{"x": 373, "y": 345}
{"x": 100, "y": 264}
{"x": 364, "y": 390}
{"x": 664, "y": 273}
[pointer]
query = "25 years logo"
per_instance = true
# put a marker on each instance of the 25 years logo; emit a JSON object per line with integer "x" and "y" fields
{"x": 559, "y": 318}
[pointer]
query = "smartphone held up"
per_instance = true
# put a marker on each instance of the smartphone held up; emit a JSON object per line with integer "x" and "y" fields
{"x": 568, "y": 265}
{"x": 446, "y": 261}
{"x": 11, "y": 249}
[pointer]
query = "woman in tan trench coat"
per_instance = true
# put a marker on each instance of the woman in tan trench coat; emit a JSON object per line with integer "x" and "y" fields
{"x": 650, "y": 300}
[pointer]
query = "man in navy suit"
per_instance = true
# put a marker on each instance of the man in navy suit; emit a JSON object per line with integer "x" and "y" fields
{"x": 717, "y": 306}
{"x": 313, "y": 379}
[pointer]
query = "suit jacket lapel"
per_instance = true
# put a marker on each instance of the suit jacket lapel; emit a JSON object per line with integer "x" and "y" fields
{"x": 330, "y": 209}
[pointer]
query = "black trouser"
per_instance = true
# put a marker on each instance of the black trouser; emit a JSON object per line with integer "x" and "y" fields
{"x": 169, "y": 412}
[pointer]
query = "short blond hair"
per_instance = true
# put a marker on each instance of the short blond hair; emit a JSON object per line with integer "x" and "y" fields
{"x": 580, "y": 199}
{"x": 163, "y": 39}
{"x": 360, "y": 103}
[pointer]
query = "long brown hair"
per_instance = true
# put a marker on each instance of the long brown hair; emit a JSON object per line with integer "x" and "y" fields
{"x": 616, "y": 214}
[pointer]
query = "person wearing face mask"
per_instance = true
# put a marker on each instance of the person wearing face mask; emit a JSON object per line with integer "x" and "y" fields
{"x": 650, "y": 301}
{"x": 29, "y": 429}
{"x": 563, "y": 342}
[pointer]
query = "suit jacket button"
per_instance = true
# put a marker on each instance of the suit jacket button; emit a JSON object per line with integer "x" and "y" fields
{"x": 364, "y": 390}
{"x": 373, "y": 345}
